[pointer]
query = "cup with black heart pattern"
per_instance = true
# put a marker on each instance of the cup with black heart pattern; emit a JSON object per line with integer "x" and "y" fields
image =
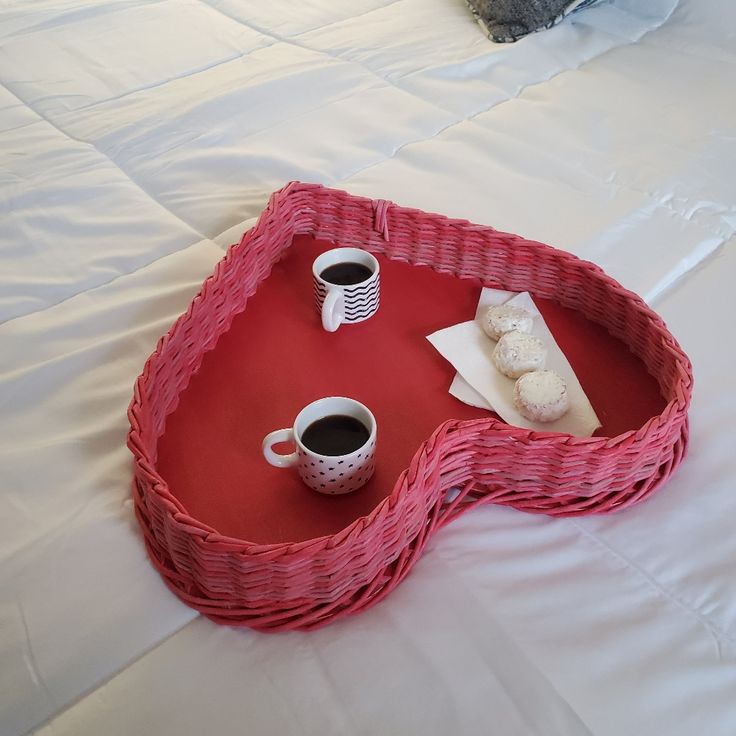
{"x": 347, "y": 286}
{"x": 335, "y": 445}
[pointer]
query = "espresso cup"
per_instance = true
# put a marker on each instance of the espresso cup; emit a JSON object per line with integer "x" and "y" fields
{"x": 347, "y": 286}
{"x": 335, "y": 441}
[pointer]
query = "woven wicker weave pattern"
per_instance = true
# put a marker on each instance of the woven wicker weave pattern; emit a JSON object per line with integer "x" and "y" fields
{"x": 308, "y": 584}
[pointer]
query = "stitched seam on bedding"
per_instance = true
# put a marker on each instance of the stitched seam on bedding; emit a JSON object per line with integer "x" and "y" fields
{"x": 392, "y": 82}
{"x": 286, "y": 39}
{"x": 65, "y": 17}
{"x": 92, "y": 289}
{"x": 718, "y": 635}
{"x": 156, "y": 85}
{"x": 200, "y": 237}
{"x": 102, "y": 153}
{"x": 687, "y": 214}
{"x": 416, "y": 72}
{"x": 470, "y": 591}
{"x": 101, "y": 683}
{"x": 715, "y": 631}
{"x": 136, "y": 184}
{"x": 623, "y": 41}
{"x": 701, "y": 54}
{"x": 291, "y": 41}
{"x": 674, "y": 278}
{"x": 667, "y": 289}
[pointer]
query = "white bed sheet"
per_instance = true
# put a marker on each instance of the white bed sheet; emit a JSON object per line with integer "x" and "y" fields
{"x": 138, "y": 139}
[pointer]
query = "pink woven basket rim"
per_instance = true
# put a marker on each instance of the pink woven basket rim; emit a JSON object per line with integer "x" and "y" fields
{"x": 212, "y": 539}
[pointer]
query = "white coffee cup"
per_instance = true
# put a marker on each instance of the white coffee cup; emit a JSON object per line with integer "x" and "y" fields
{"x": 354, "y": 293}
{"x": 322, "y": 471}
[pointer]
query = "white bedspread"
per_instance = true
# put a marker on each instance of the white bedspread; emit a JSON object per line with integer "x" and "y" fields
{"x": 138, "y": 138}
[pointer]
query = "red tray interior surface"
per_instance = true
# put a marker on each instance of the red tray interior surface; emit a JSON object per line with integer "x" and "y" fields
{"x": 276, "y": 358}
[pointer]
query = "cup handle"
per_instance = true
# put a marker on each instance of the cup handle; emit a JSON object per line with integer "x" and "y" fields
{"x": 332, "y": 310}
{"x": 280, "y": 461}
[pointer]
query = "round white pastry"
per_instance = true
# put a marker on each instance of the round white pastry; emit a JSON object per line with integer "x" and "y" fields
{"x": 517, "y": 353}
{"x": 541, "y": 396}
{"x": 503, "y": 318}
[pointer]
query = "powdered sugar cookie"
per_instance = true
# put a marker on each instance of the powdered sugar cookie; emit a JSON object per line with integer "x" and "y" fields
{"x": 517, "y": 353}
{"x": 541, "y": 396}
{"x": 503, "y": 318}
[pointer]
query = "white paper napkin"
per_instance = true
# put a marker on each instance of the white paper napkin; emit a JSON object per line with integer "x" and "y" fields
{"x": 480, "y": 384}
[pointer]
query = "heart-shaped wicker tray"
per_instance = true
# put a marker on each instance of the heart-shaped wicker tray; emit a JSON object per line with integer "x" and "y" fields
{"x": 307, "y": 584}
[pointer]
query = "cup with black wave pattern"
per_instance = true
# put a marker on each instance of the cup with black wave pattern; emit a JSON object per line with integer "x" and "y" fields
{"x": 347, "y": 286}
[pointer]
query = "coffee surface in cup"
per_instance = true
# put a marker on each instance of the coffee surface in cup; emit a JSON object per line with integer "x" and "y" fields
{"x": 336, "y": 434}
{"x": 346, "y": 274}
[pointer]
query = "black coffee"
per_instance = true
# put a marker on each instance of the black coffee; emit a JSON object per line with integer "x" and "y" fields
{"x": 346, "y": 274}
{"x": 335, "y": 435}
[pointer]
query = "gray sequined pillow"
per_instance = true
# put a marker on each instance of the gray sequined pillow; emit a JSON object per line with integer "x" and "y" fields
{"x": 510, "y": 20}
